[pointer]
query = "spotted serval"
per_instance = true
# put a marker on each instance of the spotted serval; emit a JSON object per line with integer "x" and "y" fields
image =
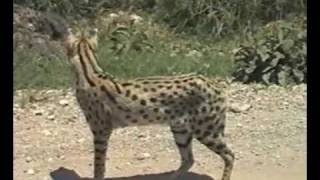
{"x": 191, "y": 104}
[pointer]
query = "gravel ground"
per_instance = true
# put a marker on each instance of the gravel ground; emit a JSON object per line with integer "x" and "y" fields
{"x": 266, "y": 128}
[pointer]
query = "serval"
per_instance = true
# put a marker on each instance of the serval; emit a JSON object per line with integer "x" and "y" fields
{"x": 191, "y": 104}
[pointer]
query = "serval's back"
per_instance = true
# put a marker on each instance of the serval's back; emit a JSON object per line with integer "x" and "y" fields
{"x": 190, "y": 104}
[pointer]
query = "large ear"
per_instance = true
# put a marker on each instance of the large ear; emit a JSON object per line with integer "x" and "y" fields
{"x": 69, "y": 37}
{"x": 69, "y": 40}
{"x": 93, "y": 37}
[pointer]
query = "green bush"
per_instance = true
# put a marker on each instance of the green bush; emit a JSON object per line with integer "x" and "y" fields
{"x": 34, "y": 71}
{"x": 276, "y": 55}
{"x": 202, "y": 17}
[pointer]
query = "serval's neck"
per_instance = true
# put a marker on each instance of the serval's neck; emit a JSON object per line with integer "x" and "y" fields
{"x": 87, "y": 71}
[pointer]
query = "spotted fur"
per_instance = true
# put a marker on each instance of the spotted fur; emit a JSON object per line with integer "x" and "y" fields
{"x": 190, "y": 104}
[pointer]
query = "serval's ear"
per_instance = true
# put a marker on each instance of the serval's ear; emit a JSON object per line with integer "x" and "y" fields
{"x": 69, "y": 37}
{"x": 69, "y": 42}
{"x": 93, "y": 38}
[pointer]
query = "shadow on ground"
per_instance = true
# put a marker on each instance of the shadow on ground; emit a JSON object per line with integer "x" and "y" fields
{"x": 67, "y": 174}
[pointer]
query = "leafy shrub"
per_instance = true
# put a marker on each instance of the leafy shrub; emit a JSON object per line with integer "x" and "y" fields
{"x": 277, "y": 54}
{"x": 202, "y": 17}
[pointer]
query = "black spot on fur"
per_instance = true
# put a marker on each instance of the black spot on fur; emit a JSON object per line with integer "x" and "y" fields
{"x": 221, "y": 127}
{"x": 217, "y": 92}
{"x": 145, "y": 116}
{"x": 134, "y": 97}
{"x": 153, "y": 100}
{"x": 143, "y": 102}
{"x": 126, "y": 84}
{"x": 220, "y": 147}
{"x": 141, "y": 111}
{"x": 206, "y": 134}
{"x": 210, "y": 143}
{"x": 215, "y": 135}
{"x": 204, "y": 90}
{"x": 128, "y": 93}
{"x": 167, "y": 111}
{"x": 210, "y": 127}
{"x": 164, "y": 102}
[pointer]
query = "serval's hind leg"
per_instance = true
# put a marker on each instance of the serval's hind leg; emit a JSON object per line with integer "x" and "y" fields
{"x": 216, "y": 143}
{"x": 183, "y": 140}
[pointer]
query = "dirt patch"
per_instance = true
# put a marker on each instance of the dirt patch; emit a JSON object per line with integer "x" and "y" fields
{"x": 268, "y": 137}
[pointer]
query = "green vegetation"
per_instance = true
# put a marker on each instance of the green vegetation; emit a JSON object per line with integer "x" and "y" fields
{"x": 201, "y": 17}
{"x": 176, "y": 36}
{"x": 276, "y": 55}
{"x": 32, "y": 71}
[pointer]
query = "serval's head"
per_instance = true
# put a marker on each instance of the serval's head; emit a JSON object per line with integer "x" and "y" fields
{"x": 81, "y": 48}
{"x": 73, "y": 41}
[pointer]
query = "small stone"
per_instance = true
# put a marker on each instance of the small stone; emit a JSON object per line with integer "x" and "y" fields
{"x": 61, "y": 156}
{"x": 237, "y": 108}
{"x": 51, "y": 117}
{"x": 63, "y": 102}
{"x": 221, "y": 54}
{"x": 81, "y": 140}
{"x": 38, "y": 112}
{"x": 28, "y": 159}
{"x": 239, "y": 125}
{"x": 141, "y": 136}
{"x": 143, "y": 156}
{"x": 280, "y": 164}
{"x": 46, "y": 132}
{"x": 259, "y": 163}
{"x": 50, "y": 160}
{"x": 194, "y": 53}
{"x": 30, "y": 171}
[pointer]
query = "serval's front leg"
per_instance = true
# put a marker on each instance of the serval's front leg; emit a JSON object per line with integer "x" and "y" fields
{"x": 100, "y": 140}
{"x": 183, "y": 140}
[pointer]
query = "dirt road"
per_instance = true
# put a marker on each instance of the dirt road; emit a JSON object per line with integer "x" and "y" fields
{"x": 266, "y": 129}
